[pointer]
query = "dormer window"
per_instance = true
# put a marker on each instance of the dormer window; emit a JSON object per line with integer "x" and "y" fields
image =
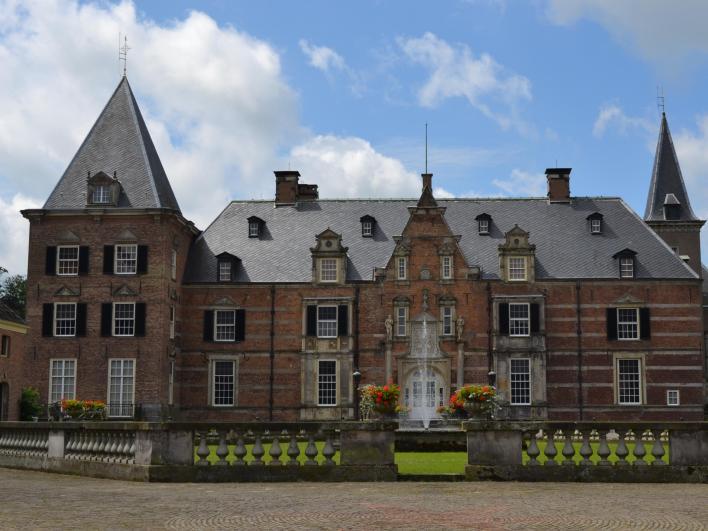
{"x": 328, "y": 270}
{"x": 225, "y": 271}
{"x": 101, "y": 194}
{"x": 595, "y": 221}
{"x": 367, "y": 226}
{"x": 627, "y": 264}
{"x": 102, "y": 189}
{"x": 672, "y": 207}
{"x": 483, "y": 223}
{"x": 329, "y": 258}
{"x": 226, "y": 267}
{"x": 255, "y": 227}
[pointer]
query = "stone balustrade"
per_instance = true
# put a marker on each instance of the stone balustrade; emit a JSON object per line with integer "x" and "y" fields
{"x": 592, "y": 451}
{"x": 100, "y": 445}
{"x": 24, "y": 442}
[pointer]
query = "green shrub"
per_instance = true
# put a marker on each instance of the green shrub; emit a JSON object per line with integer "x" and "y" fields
{"x": 29, "y": 404}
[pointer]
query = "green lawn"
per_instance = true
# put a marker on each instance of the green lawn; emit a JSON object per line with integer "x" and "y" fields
{"x": 437, "y": 462}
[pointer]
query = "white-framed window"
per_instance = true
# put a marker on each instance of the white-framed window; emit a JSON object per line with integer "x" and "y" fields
{"x": 64, "y": 319}
{"x": 519, "y": 319}
{"x": 327, "y": 382}
{"x": 483, "y": 225}
{"x": 68, "y": 260}
{"x": 101, "y": 194}
{"x": 5, "y": 348}
{"x": 367, "y": 228}
{"x": 446, "y": 268}
{"x": 126, "y": 259}
{"x": 225, "y": 271}
{"x": 172, "y": 322}
{"x": 673, "y": 398}
{"x": 447, "y": 320}
{"x": 401, "y": 268}
{"x": 62, "y": 380}
{"x": 517, "y": 268}
{"x": 123, "y": 319}
{"x": 520, "y": 381}
{"x": 121, "y": 387}
{"x": 401, "y": 321}
{"x": 627, "y": 267}
{"x": 629, "y": 381}
{"x": 327, "y": 321}
{"x": 596, "y": 226}
{"x": 254, "y": 229}
{"x": 223, "y": 382}
{"x": 627, "y": 323}
{"x": 173, "y": 265}
{"x": 224, "y": 325}
{"x": 328, "y": 270}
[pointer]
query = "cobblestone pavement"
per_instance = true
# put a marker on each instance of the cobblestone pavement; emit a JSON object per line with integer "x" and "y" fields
{"x": 33, "y": 500}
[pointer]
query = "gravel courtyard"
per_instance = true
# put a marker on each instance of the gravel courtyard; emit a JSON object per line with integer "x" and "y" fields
{"x": 32, "y": 500}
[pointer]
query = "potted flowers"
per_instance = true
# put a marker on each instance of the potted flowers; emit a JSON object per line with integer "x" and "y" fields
{"x": 479, "y": 401}
{"x": 383, "y": 399}
{"x": 84, "y": 409}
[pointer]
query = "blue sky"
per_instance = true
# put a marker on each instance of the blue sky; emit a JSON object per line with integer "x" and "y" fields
{"x": 341, "y": 91}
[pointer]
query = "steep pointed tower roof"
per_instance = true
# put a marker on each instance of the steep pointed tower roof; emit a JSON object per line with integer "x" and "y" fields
{"x": 118, "y": 144}
{"x": 667, "y": 186}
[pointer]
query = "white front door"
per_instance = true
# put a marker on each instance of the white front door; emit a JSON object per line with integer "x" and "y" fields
{"x": 423, "y": 393}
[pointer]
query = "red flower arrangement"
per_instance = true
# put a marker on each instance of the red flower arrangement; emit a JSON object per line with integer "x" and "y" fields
{"x": 382, "y": 398}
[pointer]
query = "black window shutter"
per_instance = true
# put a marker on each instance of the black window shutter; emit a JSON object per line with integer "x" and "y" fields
{"x": 611, "y": 323}
{"x": 140, "y": 319}
{"x": 142, "y": 258}
{"x": 83, "y": 260}
{"x": 644, "y": 323}
{"x": 343, "y": 320}
{"x": 208, "y": 325}
{"x": 106, "y": 319}
{"x": 311, "y": 325}
{"x": 504, "y": 318}
{"x": 81, "y": 319}
{"x": 47, "y": 319}
{"x": 108, "y": 259}
{"x": 535, "y": 318}
{"x": 51, "y": 261}
{"x": 240, "y": 325}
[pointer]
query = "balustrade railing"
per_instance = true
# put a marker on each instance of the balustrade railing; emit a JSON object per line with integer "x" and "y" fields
{"x": 30, "y": 443}
{"x": 101, "y": 445}
{"x": 257, "y": 444}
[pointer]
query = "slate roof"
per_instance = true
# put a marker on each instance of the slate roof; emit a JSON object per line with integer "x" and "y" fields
{"x": 8, "y": 314}
{"x": 565, "y": 249}
{"x": 119, "y": 141}
{"x": 666, "y": 180}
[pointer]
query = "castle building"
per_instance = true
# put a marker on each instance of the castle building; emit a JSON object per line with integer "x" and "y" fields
{"x": 575, "y": 307}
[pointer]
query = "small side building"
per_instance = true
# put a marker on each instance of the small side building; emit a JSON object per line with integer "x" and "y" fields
{"x": 13, "y": 332}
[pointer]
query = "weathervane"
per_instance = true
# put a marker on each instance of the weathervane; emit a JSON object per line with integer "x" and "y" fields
{"x": 426, "y": 147}
{"x": 123, "y": 52}
{"x": 660, "y": 99}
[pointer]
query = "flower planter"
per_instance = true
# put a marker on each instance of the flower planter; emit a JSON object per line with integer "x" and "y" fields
{"x": 477, "y": 410}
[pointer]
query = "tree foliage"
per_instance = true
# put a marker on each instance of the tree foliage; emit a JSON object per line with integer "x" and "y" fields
{"x": 13, "y": 291}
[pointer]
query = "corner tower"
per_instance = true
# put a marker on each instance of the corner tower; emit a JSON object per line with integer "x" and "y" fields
{"x": 668, "y": 209}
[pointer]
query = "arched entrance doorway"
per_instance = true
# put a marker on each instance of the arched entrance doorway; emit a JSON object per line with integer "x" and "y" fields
{"x": 423, "y": 392}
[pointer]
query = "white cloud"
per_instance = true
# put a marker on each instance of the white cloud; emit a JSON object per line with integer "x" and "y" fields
{"x": 441, "y": 193}
{"x": 15, "y": 228}
{"x": 351, "y": 167}
{"x": 456, "y": 72}
{"x": 613, "y": 115}
{"x": 322, "y": 57}
{"x": 522, "y": 183}
{"x": 662, "y": 31}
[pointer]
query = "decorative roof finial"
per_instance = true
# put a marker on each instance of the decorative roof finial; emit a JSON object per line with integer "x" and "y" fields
{"x": 426, "y": 147}
{"x": 660, "y": 99}
{"x": 123, "y": 53}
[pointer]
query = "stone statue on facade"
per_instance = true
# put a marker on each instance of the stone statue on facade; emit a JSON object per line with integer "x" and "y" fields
{"x": 459, "y": 327}
{"x": 389, "y": 328}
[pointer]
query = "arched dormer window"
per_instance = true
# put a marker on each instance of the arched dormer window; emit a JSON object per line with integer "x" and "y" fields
{"x": 627, "y": 263}
{"x": 255, "y": 227}
{"x": 368, "y": 226}
{"x": 595, "y": 223}
{"x": 226, "y": 267}
{"x": 484, "y": 222}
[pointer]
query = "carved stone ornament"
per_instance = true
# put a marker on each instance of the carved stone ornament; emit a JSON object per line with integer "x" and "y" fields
{"x": 425, "y": 274}
{"x": 68, "y": 237}
{"x": 67, "y": 292}
{"x": 124, "y": 291}
{"x": 224, "y": 301}
{"x": 328, "y": 242}
{"x": 403, "y": 246}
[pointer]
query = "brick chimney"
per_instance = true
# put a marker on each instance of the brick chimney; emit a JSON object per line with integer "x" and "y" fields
{"x": 558, "y": 184}
{"x": 289, "y": 191}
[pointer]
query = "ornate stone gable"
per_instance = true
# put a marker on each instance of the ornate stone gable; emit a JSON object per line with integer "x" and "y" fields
{"x": 517, "y": 257}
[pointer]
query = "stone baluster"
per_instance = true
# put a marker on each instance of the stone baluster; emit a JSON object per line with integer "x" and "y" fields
{"x": 568, "y": 450}
{"x": 131, "y": 452}
{"x": 328, "y": 450}
{"x": 621, "y": 450}
{"x": 550, "y": 450}
{"x": 103, "y": 445}
{"x": 311, "y": 450}
{"x": 585, "y": 448}
{"x": 119, "y": 450}
{"x": 203, "y": 450}
{"x": 115, "y": 443}
{"x": 532, "y": 451}
{"x": 258, "y": 452}
{"x": 275, "y": 451}
{"x": 657, "y": 449}
{"x": 293, "y": 451}
{"x": 240, "y": 451}
{"x": 222, "y": 450}
{"x": 639, "y": 451}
